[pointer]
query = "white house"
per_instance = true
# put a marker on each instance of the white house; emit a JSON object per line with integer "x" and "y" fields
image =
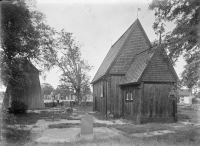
{"x": 185, "y": 96}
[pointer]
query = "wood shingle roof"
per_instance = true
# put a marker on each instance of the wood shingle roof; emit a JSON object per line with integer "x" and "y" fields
{"x": 121, "y": 54}
{"x": 151, "y": 65}
{"x": 133, "y": 57}
{"x": 137, "y": 67}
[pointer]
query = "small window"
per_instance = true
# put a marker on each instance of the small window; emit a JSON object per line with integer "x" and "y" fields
{"x": 101, "y": 91}
{"x": 129, "y": 96}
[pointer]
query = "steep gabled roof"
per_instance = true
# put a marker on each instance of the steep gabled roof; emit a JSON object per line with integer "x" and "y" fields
{"x": 150, "y": 62}
{"x": 137, "y": 67}
{"x": 27, "y": 66}
{"x": 121, "y": 54}
{"x": 160, "y": 68}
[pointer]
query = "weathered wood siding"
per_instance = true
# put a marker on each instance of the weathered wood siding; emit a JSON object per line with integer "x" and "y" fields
{"x": 159, "y": 70}
{"x": 115, "y": 97}
{"x": 155, "y": 101}
{"x": 32, "y": 94}
{"x": 131, "y": 107}
{"x": 99, "y": 103}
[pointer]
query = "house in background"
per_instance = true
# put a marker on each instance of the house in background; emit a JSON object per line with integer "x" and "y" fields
{"x": 185, "y": 96}
{"x": 135, "y": 80}
{"x": 31, "y": 95}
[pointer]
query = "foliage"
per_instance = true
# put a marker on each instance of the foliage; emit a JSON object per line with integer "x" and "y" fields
{"x": 18, "y": 107}
{"x": 64, "y": 90}
{"x": 8, "y": 118}
{"x": 46, "y": 89}
{"x": 66, "y": 56}
{"x": 25, "y": 38}
{"x": 184, "y": 39}
{"x": 19, "y": 40}
{"x": 20, "y": 37}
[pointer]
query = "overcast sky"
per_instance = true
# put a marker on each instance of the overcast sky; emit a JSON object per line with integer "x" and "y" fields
{"x": 97, "y": 25}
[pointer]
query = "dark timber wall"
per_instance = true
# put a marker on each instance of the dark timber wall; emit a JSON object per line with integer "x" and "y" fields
{"x": 131, "y": 108}
{"x": 31, "y": 95}
{"x": 157, "y": 106}
{"x": 115, "y": 95}
{"x": 112, "y": 96}
{"x": 99, "y": 102}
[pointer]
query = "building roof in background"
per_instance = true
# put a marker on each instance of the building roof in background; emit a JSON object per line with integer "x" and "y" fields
{"x": 184, "y": 92}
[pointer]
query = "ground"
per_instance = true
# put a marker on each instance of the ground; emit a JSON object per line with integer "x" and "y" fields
{"x": 32, "y": 129}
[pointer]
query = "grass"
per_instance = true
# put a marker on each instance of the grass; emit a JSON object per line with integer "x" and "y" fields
{"x": 32, "y": 118}
{"x": 130, "y": 129}
{"x": 16, "y": 137}
{"x": 68, "y": 125}
{"x": 184, "y": 136}
{"x": 119, "y": 141}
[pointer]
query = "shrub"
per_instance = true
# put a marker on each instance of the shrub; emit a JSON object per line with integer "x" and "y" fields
{"x": 18, "y": 107}
{"x": 69, "y": 110}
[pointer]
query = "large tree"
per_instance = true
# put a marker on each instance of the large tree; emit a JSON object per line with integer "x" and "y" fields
{"x": 184, "y": 39}
{"x": 46, "y": 89}
{"x": 24, "y": 36}
{"x": 19, "y": 41}
{"x": 66, "y": 56}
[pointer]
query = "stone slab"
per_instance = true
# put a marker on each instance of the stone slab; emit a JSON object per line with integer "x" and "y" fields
{"x": 154, "y": 133}
{"x": 56, "y": 135}
{"x": 86, "y": 124}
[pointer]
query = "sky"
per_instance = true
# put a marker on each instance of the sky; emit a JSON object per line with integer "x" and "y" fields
{"x": 97, "y": 24}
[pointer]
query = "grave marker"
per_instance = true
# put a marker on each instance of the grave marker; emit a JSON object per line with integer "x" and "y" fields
{"x": 86, "y": 125}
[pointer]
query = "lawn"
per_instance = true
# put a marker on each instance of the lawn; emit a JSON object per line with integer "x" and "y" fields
{"x": 188, "y": 135}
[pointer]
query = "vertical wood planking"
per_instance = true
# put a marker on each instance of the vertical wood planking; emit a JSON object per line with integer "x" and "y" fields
{"x": 115, "y": 95}
{"x": 156, "y": 102}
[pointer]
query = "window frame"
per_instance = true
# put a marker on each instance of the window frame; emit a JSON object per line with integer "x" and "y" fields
{"x": 129, "y": 96}
{"x": 101, "y": 91}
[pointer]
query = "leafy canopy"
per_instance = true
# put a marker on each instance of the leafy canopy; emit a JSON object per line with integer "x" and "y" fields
{"x": 46, "y": 89}
{"x": 25, "y": 36}
{"x": 65, "y": 54}
{"x": 184, "y": 39}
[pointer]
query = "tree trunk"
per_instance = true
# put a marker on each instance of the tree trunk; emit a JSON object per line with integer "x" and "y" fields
{"x": 79, "y": 96}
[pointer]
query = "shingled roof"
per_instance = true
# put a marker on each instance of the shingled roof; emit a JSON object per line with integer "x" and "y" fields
{"x": 150, "y": 65}
{"x": 121, "y": 54}
{"x": 137, "y": 67}
{"x": 130, "y": 56}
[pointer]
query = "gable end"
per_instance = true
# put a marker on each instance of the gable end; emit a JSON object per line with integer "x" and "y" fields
{"x": 159, "y": 69}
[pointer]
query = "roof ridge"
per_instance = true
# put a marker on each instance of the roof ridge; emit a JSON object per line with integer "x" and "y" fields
{"x": 117, "y": 54}
{"x": 142, "y": 51}
{"x": 144, "y": 33}
{"x": 124, "y": 42}
{"x": 123, "y": 34}
{"x": 117, "y": 48}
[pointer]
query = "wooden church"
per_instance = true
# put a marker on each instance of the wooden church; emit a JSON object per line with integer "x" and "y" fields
{"x": 135, "y": 80}
{"x": 31, "y": 95}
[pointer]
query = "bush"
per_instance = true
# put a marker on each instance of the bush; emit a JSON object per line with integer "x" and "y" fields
{"x": 18, "y": 107}
{"x": 194, "y": 101}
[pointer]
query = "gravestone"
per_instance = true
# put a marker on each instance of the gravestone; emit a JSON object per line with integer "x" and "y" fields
{"x": 65, "y": 104}
{"x": 86, "y": 125}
